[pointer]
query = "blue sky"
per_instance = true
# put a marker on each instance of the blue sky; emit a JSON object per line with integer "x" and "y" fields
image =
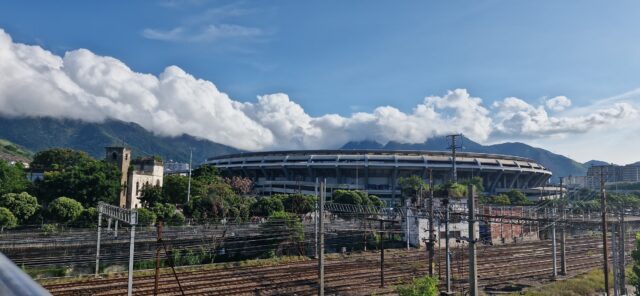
{"x": 355, "y": 56}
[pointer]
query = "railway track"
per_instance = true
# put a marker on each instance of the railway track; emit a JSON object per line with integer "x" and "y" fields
{"x": 353, "y": 275}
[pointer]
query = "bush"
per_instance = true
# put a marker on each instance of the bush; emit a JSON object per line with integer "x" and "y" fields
{"x": 298, "y": 203}
{"x": 49, "y": 228}
{"x": 64, "y": 209}
{"x": 7, "y": 219}
{"x": 266, "y": 206}
{"x": 424, "y": 286}
{"x": 88, "y": 218}
{"x": 146, "y": 217}
{"x": 22, "y": 205}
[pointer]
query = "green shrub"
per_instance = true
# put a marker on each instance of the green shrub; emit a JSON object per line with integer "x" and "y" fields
{"x": 423, "y": 286}
{"x": 49, "y": 228}
{"x": 64, "y": 209}
{"x": 7, "y": 219}
{"x": 22, "y": 205}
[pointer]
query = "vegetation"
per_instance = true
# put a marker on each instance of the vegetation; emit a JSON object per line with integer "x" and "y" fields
{"x": 146, "y": 217}
{"x": 413, "y": 187}
{"x": 64, "y": 209}
{"x": 12, "y": 178}
{"x": 266, "y": 206}
{"x": 7, "y": 219}
{"x": 298, "y": 203}
{"x": 284, "y": 232}
{"x": 591, "y": 283}
{"x": 423, "y": 286}
{"x": 356, "y": 197}
{"x": 22, "y": 205}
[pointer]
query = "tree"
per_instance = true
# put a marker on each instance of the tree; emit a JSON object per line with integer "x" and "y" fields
{"x": 151, "y": 195}
{"x": 477, "y": 183}
{"x": 351, "y": 197}
{"x": 168, "y": 213}
{"x": 174, "y": 189}
{"x": 7, "y": 219}
{"x": 88, "y": 181}
{"x": 64, "y": 209}
{"x": 59, "y": 159}
{"x": 412, "y": 187}
{"x": 12, "y": 178}
{"x": 146, "y": 217}
{"x": 500, "y": 199}
{"x": 266, "y": 206}
{"x": 516, "y": 197}
{"x": 22, "y": 205}
{"x": 240, "y": 185}
{"x": 88, "y": 218}
{"x": 298, "y": 203}
{"x": 282, "y": 231}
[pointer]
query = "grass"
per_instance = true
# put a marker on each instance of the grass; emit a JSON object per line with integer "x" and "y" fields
{"x": 589, "y": 283}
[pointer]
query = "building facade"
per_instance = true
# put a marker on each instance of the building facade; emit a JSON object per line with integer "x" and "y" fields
{"x": 377, "y": 171}
{"x": 136, "y": 174}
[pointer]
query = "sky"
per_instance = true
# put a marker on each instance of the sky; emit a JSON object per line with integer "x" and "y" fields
{"x": 261, "y": 75}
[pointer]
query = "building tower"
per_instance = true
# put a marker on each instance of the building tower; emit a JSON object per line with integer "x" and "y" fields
{"x": 121, "y": 157}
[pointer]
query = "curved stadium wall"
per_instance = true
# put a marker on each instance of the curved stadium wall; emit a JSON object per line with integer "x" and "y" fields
{"x": 376, "y": 171}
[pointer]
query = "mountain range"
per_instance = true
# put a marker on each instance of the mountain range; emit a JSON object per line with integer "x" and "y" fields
{"x": 40, "y": 133}
{"x": 32, "y": 134}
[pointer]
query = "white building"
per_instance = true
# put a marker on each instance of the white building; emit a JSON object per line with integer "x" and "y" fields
{"x": 136, "y": 174}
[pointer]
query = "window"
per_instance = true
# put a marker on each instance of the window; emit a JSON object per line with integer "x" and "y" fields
{"x": 137, "y": 187}
{"x": 158, "y": 183}
{"x": 126, "y": 156}
{"x": 114, "y": 156}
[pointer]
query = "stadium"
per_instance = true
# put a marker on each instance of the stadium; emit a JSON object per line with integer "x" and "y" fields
{"x": 376, "y": 171}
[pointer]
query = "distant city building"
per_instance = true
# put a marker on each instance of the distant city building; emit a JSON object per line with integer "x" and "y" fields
{"x": 136, "y": 174}
{"x": 575, "y": 181}
{"x": 612, "y": 174}
{"x": 176, "y": 168}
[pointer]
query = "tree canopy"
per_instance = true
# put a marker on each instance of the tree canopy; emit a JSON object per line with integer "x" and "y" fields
{"x": 22, "y": 205}
{"x": 64, "y": 209}
{"x": 12, "y": 178}
{"x": 7, "y": 219}
{"x": 59, "y": 159}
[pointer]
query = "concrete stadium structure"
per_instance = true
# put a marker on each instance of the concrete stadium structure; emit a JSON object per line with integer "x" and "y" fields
{"x": 377, "y": 171}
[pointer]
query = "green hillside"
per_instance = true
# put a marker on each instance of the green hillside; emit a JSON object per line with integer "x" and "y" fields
{"x": 12, "y": 152}
{"x": 36, "y": 134}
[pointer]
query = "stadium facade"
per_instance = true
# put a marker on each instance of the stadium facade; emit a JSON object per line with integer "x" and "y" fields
{"x": 376, "y": 171}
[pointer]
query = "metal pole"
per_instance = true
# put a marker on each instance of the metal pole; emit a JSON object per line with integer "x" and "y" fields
{"x": 407, "y": 225}
{"x": 115, "y": 233}
{"x": 131, "y": 245}
{"x": 189, "y": 184}
{"x": 159, "y": 240}
{"x": 614, "y": 261}
{"x": 621, "y": 245}
{"x": 431, "y": 243}
{"x": 315, "y": 213}
{"x": 446, "y": 246}
{"x": 108, "y": 224}
{"x": 473, "y": 269}
{"x": 563, "y": 251}
{"x": 553, "y": 239}
{"x": 321, "y": 241}
{"x": 98, "y": 244}
{"x": 381, "y": 253}
{"x": 605, "y": 252}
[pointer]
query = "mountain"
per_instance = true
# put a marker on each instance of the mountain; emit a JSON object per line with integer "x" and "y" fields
{"x": 40, "y": 133}
{"x": 12, "y": 152}
{"x": 560, "y": 165}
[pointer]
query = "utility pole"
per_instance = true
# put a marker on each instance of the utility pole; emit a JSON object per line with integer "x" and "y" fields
{"x": 453, "y": 147}
{"x": 553, "y": 244}
{"x": 321, "y": 240}
{"x": 98, "y": 245}
{"x": 432, "y": 240}
{"x": 315, "y": 219}
{"x": 605, "y": 252}
{"x": 563, "y": 235}
{"x": 473, "y": 269}
{"x": 158, "y": 248}
{"x": 621, "y": 246}
{"x": 406, "y": 216}
{"x": 446, "y": 246}
{"x": 614, "y": 262}
{"x": 189, "y": 184}
{"x": 381, "y": 253}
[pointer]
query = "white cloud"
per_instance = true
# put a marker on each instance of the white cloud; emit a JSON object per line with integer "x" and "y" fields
{"x": 558, "y": 103}
{"x": 517, "y": 118}
{"x": 209, "y": 33}
{"x": 83, "y": 85}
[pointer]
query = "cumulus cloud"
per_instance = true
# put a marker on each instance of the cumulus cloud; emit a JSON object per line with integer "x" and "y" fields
{"x": 517, "y": 118}
{"x": 85, "y": 86}
{"x": 558, "y": 103}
